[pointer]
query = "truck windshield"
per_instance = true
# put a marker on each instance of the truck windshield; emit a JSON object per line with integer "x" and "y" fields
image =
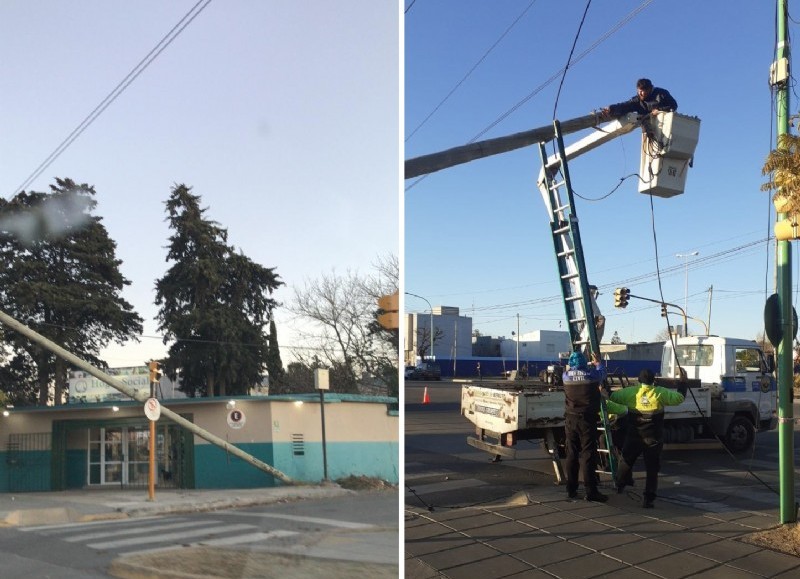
{"x": 695, "y": 355}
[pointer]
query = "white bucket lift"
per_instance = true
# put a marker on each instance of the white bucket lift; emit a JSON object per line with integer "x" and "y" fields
{"x": 668, "y": 145}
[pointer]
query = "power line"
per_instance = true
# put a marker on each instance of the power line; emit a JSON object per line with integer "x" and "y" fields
{"x": 116, "y": 92}
{"x": 546, "y": 83}
{"x": 470, "y": 71}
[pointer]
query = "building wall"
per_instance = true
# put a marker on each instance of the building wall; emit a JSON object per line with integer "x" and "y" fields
{"x": 454, "y": 333}
{"x": 543, "y": 345}
{"x": 362, "y": 437}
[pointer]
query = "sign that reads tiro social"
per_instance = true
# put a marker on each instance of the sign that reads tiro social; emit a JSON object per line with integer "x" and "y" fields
{"x": 236, "y": 419}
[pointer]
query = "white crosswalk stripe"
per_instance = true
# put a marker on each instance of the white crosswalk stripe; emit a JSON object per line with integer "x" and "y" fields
{"x": 135, "y": 531}
{"x": 299, "y": 519}
{"x": 153, "y": 534}
{"x": 162, "y": 537}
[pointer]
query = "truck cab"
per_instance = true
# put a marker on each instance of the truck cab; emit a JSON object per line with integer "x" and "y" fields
{"x": 740, "y": 380}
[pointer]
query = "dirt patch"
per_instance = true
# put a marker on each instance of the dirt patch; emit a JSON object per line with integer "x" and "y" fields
{"x": 210, "y": 563}
{"x": 785, "y": 538}
{"x": 363, "y": 483}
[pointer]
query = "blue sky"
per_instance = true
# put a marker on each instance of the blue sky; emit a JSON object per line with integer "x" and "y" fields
{"x": 283, "y": 116}
{"x": 477, "y": 235}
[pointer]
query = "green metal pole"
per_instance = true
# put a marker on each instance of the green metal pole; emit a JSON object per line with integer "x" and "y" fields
{"x": 788, "y": 510}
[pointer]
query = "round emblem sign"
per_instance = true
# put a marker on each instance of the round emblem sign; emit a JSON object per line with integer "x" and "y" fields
{"x": 152, "y": 409}
{"x": 236, "y": 419}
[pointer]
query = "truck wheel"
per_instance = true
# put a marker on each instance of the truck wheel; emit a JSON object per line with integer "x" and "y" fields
{"x": 741, "y": 434}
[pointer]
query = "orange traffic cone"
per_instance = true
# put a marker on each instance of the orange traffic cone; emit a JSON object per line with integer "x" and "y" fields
{"x": 425, "y": 398}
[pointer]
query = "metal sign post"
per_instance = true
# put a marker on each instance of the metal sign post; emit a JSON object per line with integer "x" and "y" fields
{"x": 321, "y": 383}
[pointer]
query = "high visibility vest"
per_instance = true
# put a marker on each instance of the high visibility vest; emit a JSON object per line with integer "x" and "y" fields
{"x": 647, "y": 400}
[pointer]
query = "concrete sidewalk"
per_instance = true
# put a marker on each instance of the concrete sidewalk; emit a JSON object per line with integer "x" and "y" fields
{"x": 543, "y": 534}
{"x": 50, "y": 508}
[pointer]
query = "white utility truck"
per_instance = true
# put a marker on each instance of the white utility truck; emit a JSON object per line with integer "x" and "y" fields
{"x": 731, "y": 395}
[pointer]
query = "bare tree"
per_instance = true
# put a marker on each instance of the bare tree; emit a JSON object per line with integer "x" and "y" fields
{"x": 341, "y": 310}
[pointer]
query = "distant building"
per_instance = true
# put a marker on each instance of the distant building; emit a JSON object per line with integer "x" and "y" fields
{"x": 537, "y": 345}
{"x": 452, "y": 334}
{"x": 485, "y": 346}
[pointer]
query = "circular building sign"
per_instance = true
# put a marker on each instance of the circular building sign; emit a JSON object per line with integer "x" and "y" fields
{"x": 236, "y": 419}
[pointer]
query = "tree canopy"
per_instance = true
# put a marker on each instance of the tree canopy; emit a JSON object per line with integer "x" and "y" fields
{"x": 341, "y": 310}
{"x": 58, "y": 274}
{"x": 214, "y": 304}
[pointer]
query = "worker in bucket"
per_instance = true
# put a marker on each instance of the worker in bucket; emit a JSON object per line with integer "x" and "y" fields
{"x": 648, "y": 100}
{"x": 645, "y": 433}
{"x": 582, "y": 405}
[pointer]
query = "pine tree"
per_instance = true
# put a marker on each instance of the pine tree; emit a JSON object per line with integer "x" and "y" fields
{"x": 59, "y": 273}
{"x": 214, "y": 304}
{"x": 274, "y": 363}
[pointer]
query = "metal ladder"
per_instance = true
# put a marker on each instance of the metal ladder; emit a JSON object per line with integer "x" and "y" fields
{"x": 607, "y": 465}
{"x": 572, "y": 268}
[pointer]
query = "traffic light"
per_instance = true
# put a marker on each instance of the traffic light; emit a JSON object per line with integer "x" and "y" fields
{"x": 155, "y": 371}
{"x": 621, "y": 297}
{"x": 389, "y": 306}
{"x": 788, "y": 227}
{"x": 663, "y": 310}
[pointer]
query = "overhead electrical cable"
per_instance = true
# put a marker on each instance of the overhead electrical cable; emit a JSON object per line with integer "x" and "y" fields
{"x": 470, "y": 71}
{"x": 630, "y": 16}
{"x": 116, "y": 92}
{"x": 569, "y": 58}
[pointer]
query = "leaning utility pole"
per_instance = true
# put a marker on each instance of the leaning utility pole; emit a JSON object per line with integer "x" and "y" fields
{"x": 131, "y": 392}
{"x": 779, "y": 78}
{"x": 480, "y": 149}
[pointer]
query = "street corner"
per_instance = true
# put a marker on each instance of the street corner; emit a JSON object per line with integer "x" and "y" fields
{"x": 234, "y": 564}
{"x": 45, "y": 516}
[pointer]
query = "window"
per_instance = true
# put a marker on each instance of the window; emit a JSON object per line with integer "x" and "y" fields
{"x": 695, "y": 355}
{"x": 748, "y": 360}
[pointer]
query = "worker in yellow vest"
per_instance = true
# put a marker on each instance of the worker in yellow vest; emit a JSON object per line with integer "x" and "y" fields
{"x": 645, "y": 433}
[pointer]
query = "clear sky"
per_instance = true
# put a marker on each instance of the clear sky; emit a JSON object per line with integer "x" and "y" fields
{"x": 477, "y": 235}
{"x": 282, "y": 115}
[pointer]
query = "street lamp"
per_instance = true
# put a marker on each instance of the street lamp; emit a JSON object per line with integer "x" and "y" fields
{"x": 686, "y": 256}
{"x": 431, "y": 310}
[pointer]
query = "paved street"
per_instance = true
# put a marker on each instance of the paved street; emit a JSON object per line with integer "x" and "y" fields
{"x": 353, "y": 531}
{"x": 468, "y": 517}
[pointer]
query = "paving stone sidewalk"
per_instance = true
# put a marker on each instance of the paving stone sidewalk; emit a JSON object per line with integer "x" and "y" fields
{"x": 543, "y": 534}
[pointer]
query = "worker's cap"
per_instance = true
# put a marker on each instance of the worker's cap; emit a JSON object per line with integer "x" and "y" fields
{"x": 577, "y": 360}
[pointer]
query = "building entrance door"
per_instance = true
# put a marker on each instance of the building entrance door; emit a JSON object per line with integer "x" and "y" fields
{"x": 118, "y": 455}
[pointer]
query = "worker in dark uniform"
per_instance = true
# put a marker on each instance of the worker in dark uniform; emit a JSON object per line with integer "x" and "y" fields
{"x": 648, "y": 100}
{"x": 645, "y": 433}
{"x": 582, "y": 405}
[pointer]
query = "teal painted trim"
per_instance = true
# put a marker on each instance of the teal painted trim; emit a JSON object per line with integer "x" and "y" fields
{"x": 30, "y": 471}
{"x": 3, "y": 472}
{"x": 335, "y": 398}
{"x": 373, "y": 459}
{"x": 216, "y": 469}
{"x": 76, "y": 468}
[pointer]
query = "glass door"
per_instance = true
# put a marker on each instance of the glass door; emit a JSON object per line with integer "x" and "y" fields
{"x": 106, "y": 456}
{"x": 138, "y": 455}
{"x": 120, "y": 456}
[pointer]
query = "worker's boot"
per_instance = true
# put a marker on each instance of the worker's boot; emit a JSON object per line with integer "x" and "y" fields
{"x": 595, "y": 496}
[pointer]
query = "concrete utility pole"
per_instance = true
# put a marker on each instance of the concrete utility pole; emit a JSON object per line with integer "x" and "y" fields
{"x": 783, "y": 256}
{"x": 140, "y": 397}
{"x": 466, "y": 153}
